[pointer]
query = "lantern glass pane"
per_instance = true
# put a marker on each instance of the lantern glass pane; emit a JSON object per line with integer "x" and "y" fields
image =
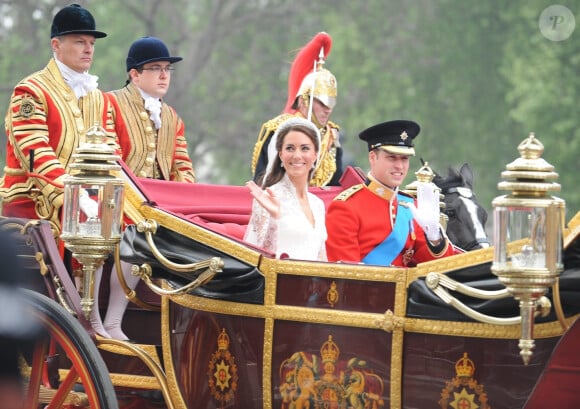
{"x": 500, "y": 234}
{"x": 115, "y": 204}
{"x": 70, "y": 212}
{"x": 527, "y": 227}
{"x": 82, "y": 210}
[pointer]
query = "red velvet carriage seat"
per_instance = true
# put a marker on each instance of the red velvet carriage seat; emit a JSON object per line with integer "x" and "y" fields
{"x": 224, "y": 209}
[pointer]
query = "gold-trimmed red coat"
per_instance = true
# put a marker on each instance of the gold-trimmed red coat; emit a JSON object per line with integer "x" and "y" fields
{"x": 45, "y": 116}
{"x": 150, "y": 153}
{"x": 361, "y": 217}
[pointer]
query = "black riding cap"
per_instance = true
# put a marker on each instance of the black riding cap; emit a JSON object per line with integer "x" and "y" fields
{"x": 74, "y": 19}
{"x": 146, "y": 50}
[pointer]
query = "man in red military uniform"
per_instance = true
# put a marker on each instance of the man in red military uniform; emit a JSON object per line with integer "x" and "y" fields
{"x": 375, "y": 223}
{"x": 49, "y": 114}
{"x": 150, "y": 132}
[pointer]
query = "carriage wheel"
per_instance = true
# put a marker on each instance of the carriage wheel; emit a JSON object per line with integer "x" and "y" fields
{"x": 82, "y": 378}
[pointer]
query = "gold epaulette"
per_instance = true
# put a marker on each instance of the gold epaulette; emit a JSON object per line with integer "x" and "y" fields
{"x": 267, "y": 128}
{"x": 349, "y": 192}
{"x": 406, "y": 194}
{"x": 333, "y": 125}
{"x": 274, "y": 123}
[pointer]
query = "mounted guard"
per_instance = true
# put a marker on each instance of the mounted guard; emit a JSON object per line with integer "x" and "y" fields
{"x": 312, "y": 93}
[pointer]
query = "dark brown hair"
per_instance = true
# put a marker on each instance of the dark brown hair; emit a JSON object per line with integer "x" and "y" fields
{"x": 278, "y": 171}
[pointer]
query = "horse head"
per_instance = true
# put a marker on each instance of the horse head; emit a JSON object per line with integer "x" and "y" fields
{"x": 467, "y": 218}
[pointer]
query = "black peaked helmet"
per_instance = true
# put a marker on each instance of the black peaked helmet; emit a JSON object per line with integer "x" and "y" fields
{"x": 146, "y": 50}
{"x": 74, "y": 19}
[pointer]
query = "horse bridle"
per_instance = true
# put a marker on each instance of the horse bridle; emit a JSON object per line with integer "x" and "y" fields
{"x": 461, "y": 191}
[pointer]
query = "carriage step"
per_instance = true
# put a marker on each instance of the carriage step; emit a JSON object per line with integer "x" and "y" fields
{"x": 76, "y": 399}
{"x": 128, "y": 349}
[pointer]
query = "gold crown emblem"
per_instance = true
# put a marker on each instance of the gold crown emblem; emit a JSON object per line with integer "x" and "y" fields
{"x": 329, "y": 351}
{"x": 464, "y": 367}
{"x": 223, "y": 340}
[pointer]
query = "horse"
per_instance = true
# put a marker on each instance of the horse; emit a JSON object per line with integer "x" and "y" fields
{"x": 467, "y": 217}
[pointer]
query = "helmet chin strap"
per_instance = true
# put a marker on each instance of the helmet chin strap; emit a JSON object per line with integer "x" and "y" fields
{"x": 311, "y": 116}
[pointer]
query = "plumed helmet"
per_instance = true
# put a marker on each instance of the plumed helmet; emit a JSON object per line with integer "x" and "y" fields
{"x": 146, "y": 50}
{"x": 303, "y": 78}
{"x": 74, "y": 19}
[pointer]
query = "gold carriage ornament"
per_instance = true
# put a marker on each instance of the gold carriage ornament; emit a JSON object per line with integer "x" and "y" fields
{"x": 93, "y": 208}
{"x": 528, "y": 233}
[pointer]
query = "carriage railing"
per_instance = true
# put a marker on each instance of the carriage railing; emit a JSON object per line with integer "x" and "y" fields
{"x": 212, "y": 265}
{"x": 440, "y": 284}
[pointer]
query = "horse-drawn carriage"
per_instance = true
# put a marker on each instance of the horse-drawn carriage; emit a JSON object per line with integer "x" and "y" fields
{"x": 218, "y": 323}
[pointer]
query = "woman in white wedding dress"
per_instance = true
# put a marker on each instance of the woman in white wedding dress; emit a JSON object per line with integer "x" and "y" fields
{"x": 286, "y": 218}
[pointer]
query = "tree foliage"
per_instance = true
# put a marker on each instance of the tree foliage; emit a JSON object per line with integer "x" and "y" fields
{"x": 478, "y": 76}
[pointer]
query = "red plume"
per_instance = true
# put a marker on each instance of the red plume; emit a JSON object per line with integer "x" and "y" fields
{"x": 304, "y": 63}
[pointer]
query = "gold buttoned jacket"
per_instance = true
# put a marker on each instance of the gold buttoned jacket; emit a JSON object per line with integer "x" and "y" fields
{"x": 46, "y": 118}
{"x": 148, "y": 152}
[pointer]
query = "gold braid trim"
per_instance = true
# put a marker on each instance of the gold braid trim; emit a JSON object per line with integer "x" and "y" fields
{"x": 327, "y": 164}
{"x": 349, "y": 192}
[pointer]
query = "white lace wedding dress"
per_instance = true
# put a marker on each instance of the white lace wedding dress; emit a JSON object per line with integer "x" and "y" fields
{"x": 292, "y": 235}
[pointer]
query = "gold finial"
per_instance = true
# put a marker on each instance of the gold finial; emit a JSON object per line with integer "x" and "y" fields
{"x": 530, "y": 174}
{"x": 96, "y": 134}
{"x": 531, "y": 148}
{"x": 425, "y": 174}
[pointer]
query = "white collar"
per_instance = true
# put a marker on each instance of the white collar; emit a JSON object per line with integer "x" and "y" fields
{"x": 153, "y": 105}
{"x": 80, "y": 82}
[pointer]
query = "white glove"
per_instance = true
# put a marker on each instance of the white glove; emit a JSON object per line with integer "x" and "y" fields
{"x": 427, "y": 213}
{"x": 89, "y": 207}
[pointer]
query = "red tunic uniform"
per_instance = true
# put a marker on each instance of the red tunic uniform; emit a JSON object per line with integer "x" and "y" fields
{"x": 46, "y": 117}
{"x": 157, "y": 154}
{"x": 360, "y": 218}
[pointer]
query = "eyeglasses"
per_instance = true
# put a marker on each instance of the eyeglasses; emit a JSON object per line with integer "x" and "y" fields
{"x": 158, "y": 70}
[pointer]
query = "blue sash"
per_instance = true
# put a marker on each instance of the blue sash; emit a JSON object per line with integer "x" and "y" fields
{"x": 390, "y": 248}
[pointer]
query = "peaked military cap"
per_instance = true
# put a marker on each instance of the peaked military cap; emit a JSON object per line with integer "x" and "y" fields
{"x": 74, "y": 19}
{"x": 392, "y": 136}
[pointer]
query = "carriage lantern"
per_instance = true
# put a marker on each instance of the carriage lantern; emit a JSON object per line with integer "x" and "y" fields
{"x": 528, "y": 229}
{"x": 92, "y": 235}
